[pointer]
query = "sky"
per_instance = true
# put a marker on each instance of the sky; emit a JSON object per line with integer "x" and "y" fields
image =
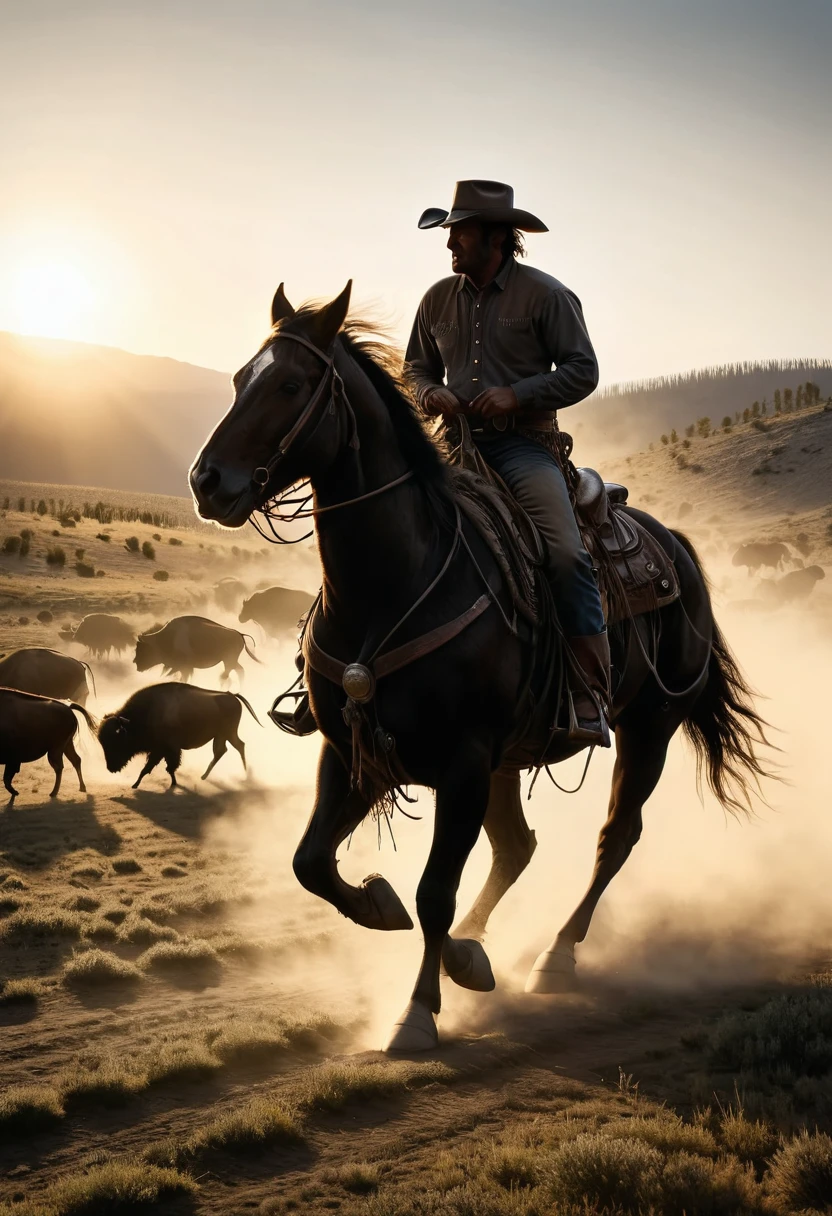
{"x": 164, "y": 165}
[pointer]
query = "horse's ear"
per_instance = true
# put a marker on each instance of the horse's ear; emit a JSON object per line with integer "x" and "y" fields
{"x": 332, "y": 316}
{"x": 281, "y": 308}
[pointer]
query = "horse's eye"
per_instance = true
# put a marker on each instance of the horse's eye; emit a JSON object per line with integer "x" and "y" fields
{"x": 290, "y": 388}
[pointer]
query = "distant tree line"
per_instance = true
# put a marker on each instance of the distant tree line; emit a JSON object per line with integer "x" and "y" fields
{"x": 707, "y": 375}
{"x": 786, "y": 401}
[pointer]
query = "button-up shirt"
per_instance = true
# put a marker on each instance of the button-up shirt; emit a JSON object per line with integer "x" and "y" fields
{"x": 509, "y": 334}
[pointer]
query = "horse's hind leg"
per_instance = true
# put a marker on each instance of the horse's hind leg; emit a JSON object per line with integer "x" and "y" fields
{"x": 461, "y": 802}
{"x": 338, "y": 810}
{"x": 75, "y": 760}
{"x": 641, "y": 746}
{"x": 512, "y": 846}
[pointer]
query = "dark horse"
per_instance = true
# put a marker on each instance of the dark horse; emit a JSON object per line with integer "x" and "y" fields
{"x": 319, "y": 401}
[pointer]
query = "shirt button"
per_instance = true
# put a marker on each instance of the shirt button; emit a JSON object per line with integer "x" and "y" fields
{"x": 476, "y": 360}
{"x": 473, "y": 379}
{"x": 476, "y": 341}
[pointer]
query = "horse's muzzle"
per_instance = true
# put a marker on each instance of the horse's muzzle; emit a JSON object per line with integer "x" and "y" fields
{"x": 225, "y": 498}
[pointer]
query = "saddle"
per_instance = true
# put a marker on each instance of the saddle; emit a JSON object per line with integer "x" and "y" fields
{"x": 634, "y": 573}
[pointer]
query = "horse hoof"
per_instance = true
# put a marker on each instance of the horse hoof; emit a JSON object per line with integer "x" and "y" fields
{"x": 390, "y": 911}
{"x": 415, "y": 1031}
{"x": 466, "y": 963}
{"x": 553, "y": 972}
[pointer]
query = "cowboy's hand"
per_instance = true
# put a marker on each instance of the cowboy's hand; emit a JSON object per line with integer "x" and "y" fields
{"x": 441, "y": 401}
{"x": 495, "y": 403}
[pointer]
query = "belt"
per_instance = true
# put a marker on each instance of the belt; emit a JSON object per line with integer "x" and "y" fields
{"x": 513, "y": 422}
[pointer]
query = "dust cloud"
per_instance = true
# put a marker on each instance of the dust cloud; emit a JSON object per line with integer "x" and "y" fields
{"x": 705, "y": 899}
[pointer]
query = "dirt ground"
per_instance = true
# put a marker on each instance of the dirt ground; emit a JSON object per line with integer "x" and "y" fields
{"x": 184, "y": 1028}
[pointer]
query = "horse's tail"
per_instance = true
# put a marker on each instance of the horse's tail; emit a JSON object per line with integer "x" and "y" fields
{"x": 250, "y": 653}
{"x": 723, "y": 725}
{"x": 240, "y": 697}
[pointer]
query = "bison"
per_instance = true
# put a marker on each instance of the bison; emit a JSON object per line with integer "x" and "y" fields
{"x": 162, "y": 720}
{"x": 276, "y": 609}
{"x": 228, "y": 593}
{"x": 796, "y": 585}
{"x": 189, "y": 642}
{"x": 101, "y": 634}
{"x": 46, "y": 673}
{"x": 33, "y": 726}
{"x": 758, "y": 554}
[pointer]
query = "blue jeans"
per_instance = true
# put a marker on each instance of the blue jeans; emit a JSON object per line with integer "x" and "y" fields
{"x": 534, "y": 477}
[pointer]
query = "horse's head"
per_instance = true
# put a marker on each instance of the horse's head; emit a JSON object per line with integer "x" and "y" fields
{"x": 271, "y": 435}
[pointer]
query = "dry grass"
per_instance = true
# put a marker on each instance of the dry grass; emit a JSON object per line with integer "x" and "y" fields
{"x": 29, "y": 1108}
{"x": 751, "y": 1141}
{"x": 171, "y": 956}
{"x": 332, "y": 1086}
{"x": 118, "y": 1186}
{"x": 358, "y": 1177}
{"x": 111, "y": 1085}
{"x": 92, "y": 872}
{"x": 800, "y": 1177}
{"x": 138, "y": 931}
{"x": 21, "y": 992}
{"x": 253, "y": 1126}
{"x": 96, "y": 968}
{"x": 791, "y": 1033}
{"x": 126, "y": 865}
{"x": 182, "y": 1062}
{"x": 666, "y": 1132}
{"x": 38, "y": 923}
{"x": 82, "y": 903}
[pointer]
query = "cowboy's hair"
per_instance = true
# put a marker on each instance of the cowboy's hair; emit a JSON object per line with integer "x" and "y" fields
{"x": 513, "y": 245}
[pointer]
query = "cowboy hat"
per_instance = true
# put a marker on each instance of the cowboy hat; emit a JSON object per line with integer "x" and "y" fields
{"x": 492, "y": 202}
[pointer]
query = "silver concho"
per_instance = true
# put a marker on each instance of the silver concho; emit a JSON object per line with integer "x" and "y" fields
{"x": 358, "y": 683}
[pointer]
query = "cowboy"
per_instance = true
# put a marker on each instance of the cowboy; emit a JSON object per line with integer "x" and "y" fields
{"x": 483, "y": 344}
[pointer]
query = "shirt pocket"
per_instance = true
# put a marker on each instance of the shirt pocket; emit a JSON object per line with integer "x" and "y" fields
{"x": 515, "y": 341}
{"x": 446, "y": 336}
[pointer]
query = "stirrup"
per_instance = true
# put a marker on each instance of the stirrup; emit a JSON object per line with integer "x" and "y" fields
{"x": 595, "y": 731}
{"x": 298, "y": 721}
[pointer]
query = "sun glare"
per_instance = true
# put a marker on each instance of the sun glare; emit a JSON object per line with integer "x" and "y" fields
{"x": 52, "y": 299}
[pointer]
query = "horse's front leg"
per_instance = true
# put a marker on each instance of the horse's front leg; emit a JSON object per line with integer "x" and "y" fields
{"x": 338, "y": 810}
{"x": 461, "y": 801}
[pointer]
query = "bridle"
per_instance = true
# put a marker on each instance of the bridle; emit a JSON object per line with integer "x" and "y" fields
{"x": 324, "y": 402}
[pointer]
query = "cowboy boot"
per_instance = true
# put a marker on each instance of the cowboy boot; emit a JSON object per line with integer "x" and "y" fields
{"x": 589, "y": 685}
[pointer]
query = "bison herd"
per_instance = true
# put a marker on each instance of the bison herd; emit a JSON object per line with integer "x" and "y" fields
{"x": 42, "y": 691}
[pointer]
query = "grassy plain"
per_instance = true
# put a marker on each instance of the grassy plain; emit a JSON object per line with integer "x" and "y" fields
{"x": 183, "y": 1030}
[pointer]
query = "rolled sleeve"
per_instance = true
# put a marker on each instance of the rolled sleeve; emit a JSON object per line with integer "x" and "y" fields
{"x": 564, "y": 334}
{"x": 424, "y": 368}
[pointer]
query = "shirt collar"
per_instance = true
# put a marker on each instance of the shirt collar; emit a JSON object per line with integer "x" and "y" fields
{"x": 499, "y": 280}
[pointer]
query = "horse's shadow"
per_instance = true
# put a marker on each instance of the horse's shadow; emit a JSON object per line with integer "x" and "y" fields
{"x": 39, "y": 835}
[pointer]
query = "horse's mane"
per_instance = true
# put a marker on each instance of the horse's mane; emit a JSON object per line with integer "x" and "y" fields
{"x": 371, "y": 348}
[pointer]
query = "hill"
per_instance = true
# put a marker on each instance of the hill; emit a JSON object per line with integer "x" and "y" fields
{"x": 76, "y": 414}
{"x": 764, "y": 480}
{"x": 622, "y": 417}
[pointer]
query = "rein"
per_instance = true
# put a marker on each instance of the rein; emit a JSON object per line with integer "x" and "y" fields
{"x": 329, "y": 392}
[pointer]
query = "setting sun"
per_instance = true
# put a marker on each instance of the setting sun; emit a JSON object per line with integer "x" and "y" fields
{"x": 51, "y": 298}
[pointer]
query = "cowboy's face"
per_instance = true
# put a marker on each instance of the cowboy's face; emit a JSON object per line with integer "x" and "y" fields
{"x": 471, "y": 249}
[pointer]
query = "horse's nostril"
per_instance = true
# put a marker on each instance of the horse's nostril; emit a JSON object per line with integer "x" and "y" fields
{"x": 208, "y": 479}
